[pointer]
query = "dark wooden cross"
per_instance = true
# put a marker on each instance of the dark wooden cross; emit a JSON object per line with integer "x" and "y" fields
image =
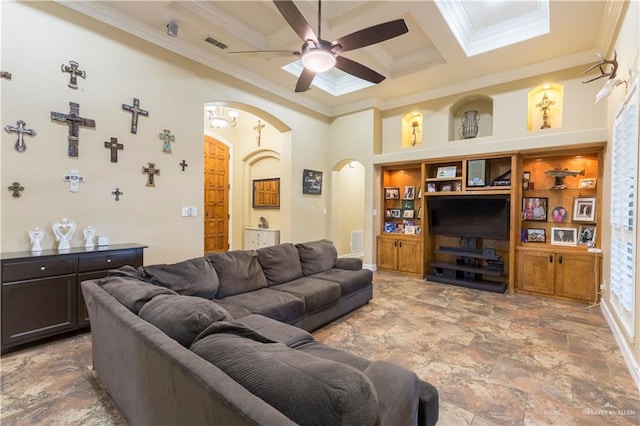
{"x": 16, "y": 188}
{"x": 166, "y": 137}
{"x": 74, "y": 121}
{"x": 135, "y": 111}
{"x": 117, "y": 193}
{"x": 114, "y": 146}
{"x": 74, "y": 72}
{"x": 183, "y": 165}
{"x": 20, "y": 146}
{"x": 150, "y": 171}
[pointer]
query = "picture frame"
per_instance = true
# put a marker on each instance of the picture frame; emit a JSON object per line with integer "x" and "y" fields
{"x": 409, "y": 193}
{"x": 410, "y": 229}
{"x": 392, "y": 193}
{"x": 587, "y": 183}
{"x": 431, "y": 187}
{"x": 387, "y": 213}
{"x": 564, "y": 236}
{"x": 584, "y": 209}
{"x": 446, "y": 187}
{"x": 536, "y": 235}
{"x": 534, "y": 209}
{"x": 559, "y": 214}
{"x": 419, "y": 196}
{"x": 407, "y": 204}
{"x": 311, "y": 182}
{"x": 446, "y": 172}
{"x": 419, "y": 216}
{"x": 389, "y": 227}
{"x": 396, "y": 213}
{"x": 418, "y": 229}
{"x": 476, "y": 173}
{"x": 587, "y": 235}
{"x": 526, "y": 177}
{"x": 407, "y": 214}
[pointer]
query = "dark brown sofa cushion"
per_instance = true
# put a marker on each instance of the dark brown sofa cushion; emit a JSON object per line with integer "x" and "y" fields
{"x": 349, "y": 281}
{"x": 182, "y": 317}
{"x": 274, "y": 304}
{"x": 317, "y": 256}
{"x": 131, "y": 292}
{"x": 307, "y": 389}
{"x": 317, "y": 294}
{"x": 193, "y": 277}
{"x": 280, "y": 263}
{"x": 238, "y": 271}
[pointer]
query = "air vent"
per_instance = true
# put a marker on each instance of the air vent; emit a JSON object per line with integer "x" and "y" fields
{"x": 215, "y": 42}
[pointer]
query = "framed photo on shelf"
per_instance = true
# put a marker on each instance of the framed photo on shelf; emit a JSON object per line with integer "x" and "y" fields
{"x": 587, "y": 235}
{"x": 407, "y": 204}
{"x": 584, "y": 209}
{"x": 419, "y": 192}
{"x": 387, "y": 213}
{"x": 476, "y": 172}
{"x": 389, "y": 227}
{"x": 431, "y": 187}
{"x": 392, "y": 193}
{"x": 526, "y": 177}
{"x": 587, "y": 183}
{"x": 410, "y": 229}
{"x": 446, "y": 172}
{"x": 534, "y": 208}
{"x": 396, "y": 213}
{"x": 536, "y": 235}
{"x": 407, "y": 214}
{"x": 419, "y": 212}
{"x": 559, "y": 214}
{"x": 409, "y": 193}
{"x": 564, "y": 236}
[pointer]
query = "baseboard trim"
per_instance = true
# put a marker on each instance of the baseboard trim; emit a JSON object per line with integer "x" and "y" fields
{"x": 370, "y": 266}
{"x": 627, "y": 354}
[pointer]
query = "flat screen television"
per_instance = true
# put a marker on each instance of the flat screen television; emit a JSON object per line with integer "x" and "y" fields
{"x": 484, "y": 216}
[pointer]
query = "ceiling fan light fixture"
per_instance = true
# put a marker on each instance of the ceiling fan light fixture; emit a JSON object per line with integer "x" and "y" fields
{"x": 318, "y": 58}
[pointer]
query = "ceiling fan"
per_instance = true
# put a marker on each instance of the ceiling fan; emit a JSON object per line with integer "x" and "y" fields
{"x": 318, "y": 55}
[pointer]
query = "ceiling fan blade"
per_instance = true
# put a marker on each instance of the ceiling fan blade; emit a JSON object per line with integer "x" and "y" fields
{"x": 268, "y": 53}
{"x": 295, "y": 19}
{"x": 358, "y": 70}
{"x": 305, "y": 79}
{"x": 371, "y": 35}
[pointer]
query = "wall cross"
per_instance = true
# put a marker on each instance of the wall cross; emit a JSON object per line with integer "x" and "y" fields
{"x": 135, "y": 111}
{"x": 74, "y": 178}
{"x": 166, "y": 137}
{"x": 74, "y": 121}
{"x": 74, "y": 72}
{"x": 114, "y": 146}
{"x": 17, "y": 189}
{"x": 117, "y": 193}
{"x": 183, "y": 164}
{"x": 20, "y": 146}
{"x": 151, "y": 171}
{"x": 258, "y": 128}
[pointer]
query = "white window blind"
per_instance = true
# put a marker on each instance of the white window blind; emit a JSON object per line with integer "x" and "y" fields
{"x": 624, "y": 211}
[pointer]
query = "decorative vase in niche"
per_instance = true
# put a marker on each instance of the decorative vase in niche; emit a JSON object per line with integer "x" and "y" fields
{"x": 470, "y": 121}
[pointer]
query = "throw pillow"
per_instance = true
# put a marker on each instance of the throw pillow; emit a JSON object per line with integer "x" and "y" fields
{"x": 182, "y": 317}
{"x": 317, "y": 256}
{"x": 280, "y": 263}
{"x": 193, "y": 277}
{"x": 238, "y": 271}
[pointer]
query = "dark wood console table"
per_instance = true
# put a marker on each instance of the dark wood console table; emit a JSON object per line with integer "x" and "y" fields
{"x": 41, "y": 294}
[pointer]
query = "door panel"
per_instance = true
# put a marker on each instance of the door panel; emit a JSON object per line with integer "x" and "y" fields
{"x": 216, "y": 196}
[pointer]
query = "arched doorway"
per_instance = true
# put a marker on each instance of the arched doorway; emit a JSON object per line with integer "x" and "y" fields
{"x": 348, "y": 213}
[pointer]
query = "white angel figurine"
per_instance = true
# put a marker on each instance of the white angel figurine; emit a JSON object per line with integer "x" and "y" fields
{"x": 89, "y": 232}
{"x": 36, "y": 235}
{"x": 63, "y": 231}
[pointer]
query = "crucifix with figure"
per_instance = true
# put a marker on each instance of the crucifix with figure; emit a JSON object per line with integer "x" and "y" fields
{"x": 20, "y": 146}
{"x": 258, "y": 128}
{"x": 74, "y": 121}
{"x": 151, "y": 171}
{"x": 166, "y": 138}
{"x": 135, "y": 111}
{"x": 74, "y": 72}
{"x": 114, "y": 146}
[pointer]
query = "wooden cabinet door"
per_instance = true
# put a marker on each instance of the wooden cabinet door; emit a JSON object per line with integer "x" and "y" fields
{"x": 409, "y": 256}
{"x": 577, "y": 276}
{"x": 388, "y": 253}
{"x": 536, "y": 271}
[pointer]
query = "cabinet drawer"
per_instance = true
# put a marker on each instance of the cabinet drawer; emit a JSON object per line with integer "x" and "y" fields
{"x": 110, "y": 260}
{"x": 28, "y": 269}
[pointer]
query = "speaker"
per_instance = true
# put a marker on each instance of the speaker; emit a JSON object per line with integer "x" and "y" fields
{"x": 172, "y": 29}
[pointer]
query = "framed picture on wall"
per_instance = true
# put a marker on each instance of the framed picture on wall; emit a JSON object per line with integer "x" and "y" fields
{"x": 311, "y": 182}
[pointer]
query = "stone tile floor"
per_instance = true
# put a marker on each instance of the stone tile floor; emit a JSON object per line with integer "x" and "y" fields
{"x": 496, "y": 359}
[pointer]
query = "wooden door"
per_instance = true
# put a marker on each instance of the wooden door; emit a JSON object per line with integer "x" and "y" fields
{"x": 216, "y": 196}
{"x": 409, "y": 256}
{"x": 387, "y": 253}
{"x": 535, "y": 271}
{"x": 577, "y": 275}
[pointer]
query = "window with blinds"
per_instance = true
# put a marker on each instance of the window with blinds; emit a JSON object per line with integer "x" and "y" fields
{"x": 624, "y": 206}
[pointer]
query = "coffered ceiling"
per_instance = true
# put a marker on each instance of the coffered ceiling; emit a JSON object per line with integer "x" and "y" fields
{"x": 451, "y": 46}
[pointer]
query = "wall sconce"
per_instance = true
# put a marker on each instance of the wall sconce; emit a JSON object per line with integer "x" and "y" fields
{"x": 219, "y": 117}
{"x": 415, "y": 131}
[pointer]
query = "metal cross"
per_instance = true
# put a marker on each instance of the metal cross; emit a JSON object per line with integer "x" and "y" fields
{"x": 5, "y": 74}
{"x": 117, "y": 193}
{"x": 166, "y": 137}
{"x": 74, "y": 121}
{"x": 74, "y": 72}
{"x": 16, "y": 188}
{"x": 151, "y": 171}
{"x": 114, "y": 146}
{"x": 183, "y": 165}
{"x": 135, "y": 111}
{"x": 258, "y": 128}
{"x": 20, "y": 146}
{"x": 74, "y": 178}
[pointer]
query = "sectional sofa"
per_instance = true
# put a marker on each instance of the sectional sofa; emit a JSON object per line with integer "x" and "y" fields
{"x": 223, "y": 339}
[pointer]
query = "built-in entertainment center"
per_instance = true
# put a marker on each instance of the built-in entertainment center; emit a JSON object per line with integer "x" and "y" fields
{"x": 468, "y": 221}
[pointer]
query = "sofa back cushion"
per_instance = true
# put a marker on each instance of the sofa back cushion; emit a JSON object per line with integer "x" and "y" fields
{"x": 280, "y": 263}
{"x": 182, "y": 317}
{"x": 132, "y": 292}
{"x": 317, "y": 256}
{"x": 307, "y": 389}
{"x": 238, "y": 271}
{"x": 193, "y": 277}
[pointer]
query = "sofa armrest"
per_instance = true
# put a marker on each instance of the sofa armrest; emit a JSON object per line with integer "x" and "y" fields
{"x": 348, "y": 263}
{"x": 427, "y": 404}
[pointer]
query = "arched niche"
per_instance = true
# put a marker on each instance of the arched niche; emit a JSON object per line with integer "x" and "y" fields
{"x": 348, "y": 189}
{"x": 412, "y": 129}
{"x": 545, "y": 107}
{"x": 482, "y": 104}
